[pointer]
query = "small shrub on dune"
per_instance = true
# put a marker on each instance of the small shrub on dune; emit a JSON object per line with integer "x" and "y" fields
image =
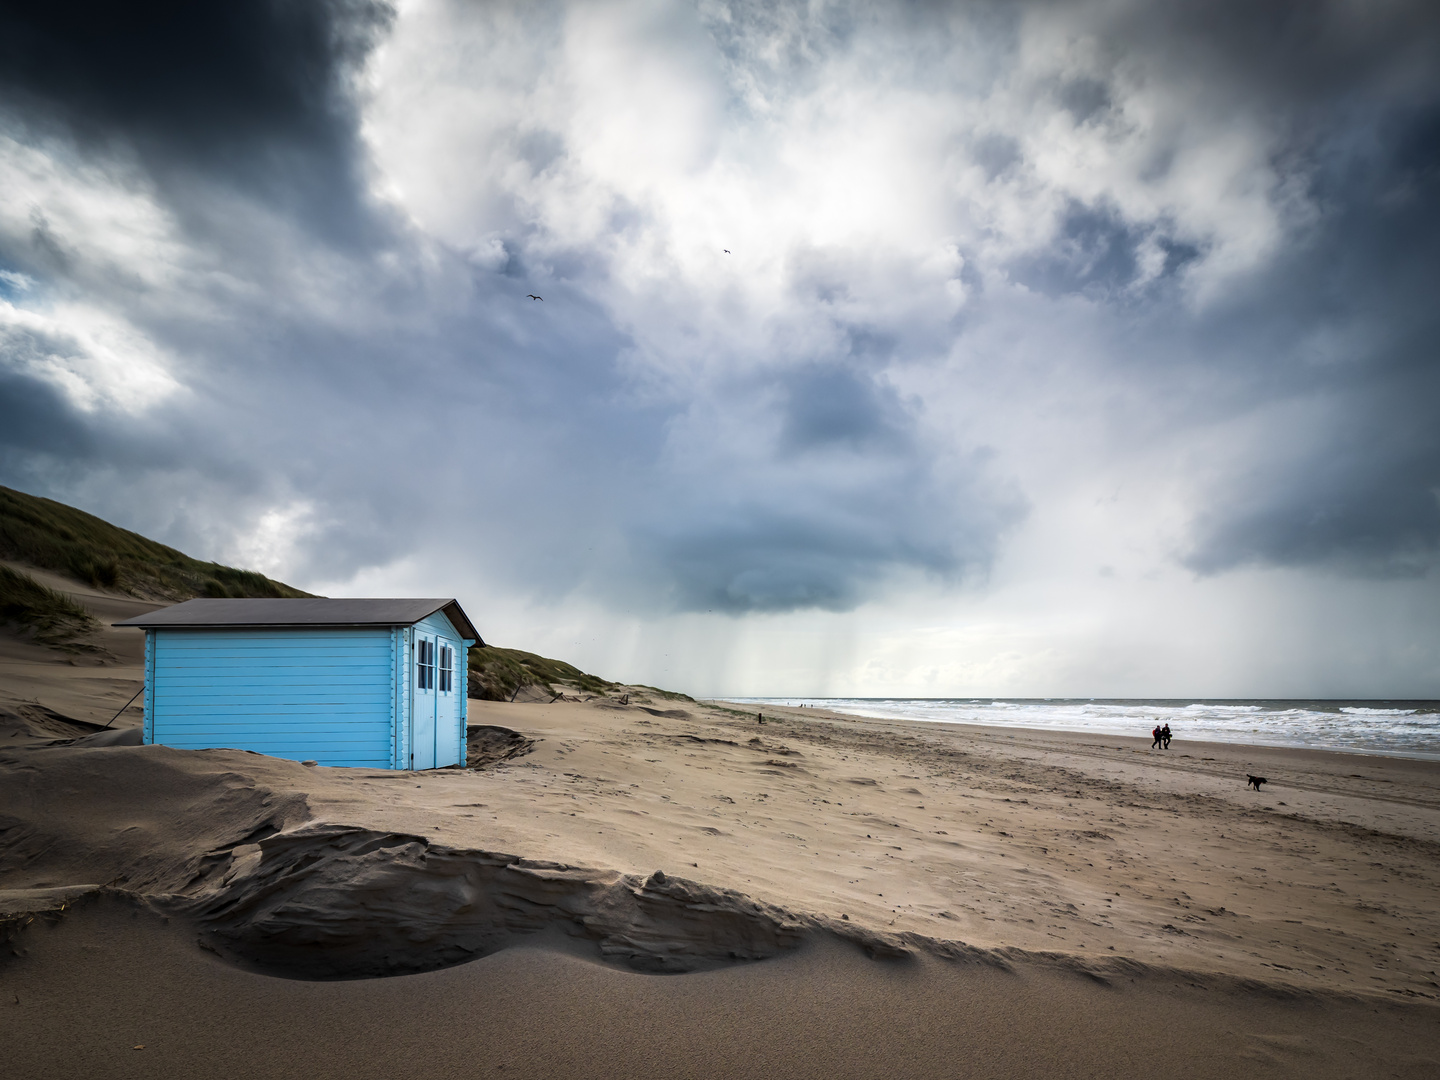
{"x": 52, "y": 617}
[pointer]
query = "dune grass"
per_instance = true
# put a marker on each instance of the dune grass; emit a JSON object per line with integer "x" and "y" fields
{"x": 52, "y": 617}
{"x": 496, "y": 674}
{"x": 668, "y": 695}
{"x": 57, "y": 537}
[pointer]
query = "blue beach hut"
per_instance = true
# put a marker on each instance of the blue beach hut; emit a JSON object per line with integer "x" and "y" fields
{"x": 373, "y": 683}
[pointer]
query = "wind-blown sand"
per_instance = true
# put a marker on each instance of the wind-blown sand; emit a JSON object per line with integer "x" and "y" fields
{"x": 835, "y": 898}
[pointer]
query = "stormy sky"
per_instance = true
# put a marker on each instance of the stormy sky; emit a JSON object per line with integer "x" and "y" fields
{"x": 1085, "y": 348}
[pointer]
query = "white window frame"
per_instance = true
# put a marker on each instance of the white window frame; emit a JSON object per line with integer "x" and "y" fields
{"x": 447, "y": 669}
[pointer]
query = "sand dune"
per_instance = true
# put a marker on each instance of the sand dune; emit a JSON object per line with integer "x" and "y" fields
{"x": 672, "y": 888}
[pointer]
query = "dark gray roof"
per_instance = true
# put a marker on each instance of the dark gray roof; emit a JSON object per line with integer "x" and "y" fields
{"x": 307, "y": 611}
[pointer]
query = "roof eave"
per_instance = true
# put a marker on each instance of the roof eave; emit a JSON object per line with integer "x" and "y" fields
{"x": 458, "y": 619}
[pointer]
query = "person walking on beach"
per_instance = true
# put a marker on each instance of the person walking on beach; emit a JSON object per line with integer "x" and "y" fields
{"x": 1154, "y": 736}
{"x": 759, "y": 717}
{"x": 1165, "y": 737}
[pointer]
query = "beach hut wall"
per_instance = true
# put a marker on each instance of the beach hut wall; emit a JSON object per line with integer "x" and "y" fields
{"x": 369, "y": 683}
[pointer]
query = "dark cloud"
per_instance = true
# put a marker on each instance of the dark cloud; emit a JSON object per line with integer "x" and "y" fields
{"x": 1366, "y": 500}
{"x": 1084, "y": 98}
{"x": 1347, "y": 321}
{"x": 780, "y": 563}
{"x": 830, "y": 407}
{"x": 827, "y": 492}
{"x": 1093, "y": 251}
{"x": 36, "y": 418}
{"x": 1098, "y": 253}
{"x": 254, "y": 93}
{"x": 995, "y": 154}
{"x": 735, "y": 547}
{"x": 1312, "y": 59}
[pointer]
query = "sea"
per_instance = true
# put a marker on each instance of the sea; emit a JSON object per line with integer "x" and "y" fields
{"x": 1408, "y": 729}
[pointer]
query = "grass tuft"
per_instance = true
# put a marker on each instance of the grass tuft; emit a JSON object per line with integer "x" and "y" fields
{"x": 52, "y": 617}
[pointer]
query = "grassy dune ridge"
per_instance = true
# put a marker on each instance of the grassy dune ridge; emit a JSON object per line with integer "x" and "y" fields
{"x": 68, "y": 541}
{"x": 49, "y": 535}
{"x": 496, "y": 674}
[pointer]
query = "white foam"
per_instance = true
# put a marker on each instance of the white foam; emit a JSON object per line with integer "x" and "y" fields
{"x": 1401, "y": 732}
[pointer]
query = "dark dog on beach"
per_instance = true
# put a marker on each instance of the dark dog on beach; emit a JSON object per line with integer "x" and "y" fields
{"x": 1255, "y": 781}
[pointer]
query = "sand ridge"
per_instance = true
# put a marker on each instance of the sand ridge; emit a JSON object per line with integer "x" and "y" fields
{"x": 997, "y": 840}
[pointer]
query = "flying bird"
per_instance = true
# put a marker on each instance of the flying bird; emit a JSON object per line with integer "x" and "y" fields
{"x": 534, "y": 297}
{"x": 726, "y": 250}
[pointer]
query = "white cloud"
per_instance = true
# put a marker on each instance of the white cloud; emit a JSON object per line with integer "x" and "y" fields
{"x": 270, "y": 544}
{"x": 95, "y": 359}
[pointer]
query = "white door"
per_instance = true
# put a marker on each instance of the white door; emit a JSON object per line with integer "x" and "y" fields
{"x": 447, "y": 705}
{"x": 423, "y": 704}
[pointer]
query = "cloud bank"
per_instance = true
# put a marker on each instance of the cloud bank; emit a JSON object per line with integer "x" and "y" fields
{"x": 846, "y": 307}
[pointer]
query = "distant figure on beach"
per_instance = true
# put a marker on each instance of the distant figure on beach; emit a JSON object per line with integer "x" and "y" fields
{"x": 1165, "y": 737}
{"x": 1154, "y": 736}
{"x": 759, "y": 718}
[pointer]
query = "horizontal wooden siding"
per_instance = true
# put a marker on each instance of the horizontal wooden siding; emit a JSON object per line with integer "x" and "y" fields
{"x": 324, "y": 695}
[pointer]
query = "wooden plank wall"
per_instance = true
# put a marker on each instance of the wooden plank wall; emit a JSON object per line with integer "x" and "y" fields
{"x": 326, "y": 695}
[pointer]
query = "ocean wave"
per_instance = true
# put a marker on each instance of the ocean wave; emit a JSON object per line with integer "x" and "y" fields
{"x": 1403, "y": 729}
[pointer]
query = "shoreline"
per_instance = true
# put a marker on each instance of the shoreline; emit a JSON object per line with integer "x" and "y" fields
{"x": 1322, "y": 776}
{"x": 812, "y": 705}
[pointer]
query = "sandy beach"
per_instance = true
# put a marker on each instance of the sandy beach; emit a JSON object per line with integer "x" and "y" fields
{"x": 668, "y": 887}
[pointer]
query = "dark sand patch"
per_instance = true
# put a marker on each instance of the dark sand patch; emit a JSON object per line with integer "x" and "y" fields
{"x": 88, "y": 988}
{"x": 487, "y": 744}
